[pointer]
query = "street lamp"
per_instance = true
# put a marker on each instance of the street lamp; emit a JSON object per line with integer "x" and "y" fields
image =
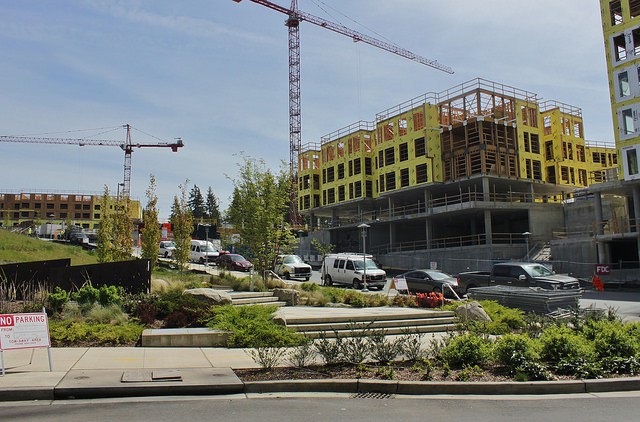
{"x": 363, "y": 232}
{"x": 526, "y": 243}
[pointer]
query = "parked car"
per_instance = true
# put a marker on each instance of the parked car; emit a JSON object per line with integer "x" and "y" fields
{"x": 78, "y": 238}
{"x": 203, "y": 251}
{"x": 235, "y": 262}
{"x": 424, "y": 281}
{"x": 166, "y": 248}
{"x": 292, "y": 266}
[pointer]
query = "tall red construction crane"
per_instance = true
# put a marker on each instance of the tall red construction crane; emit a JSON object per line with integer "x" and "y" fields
{"x": 296, "y": 16}
{"x": 127, "y": 147}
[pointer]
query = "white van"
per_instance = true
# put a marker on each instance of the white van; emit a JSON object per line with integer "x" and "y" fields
{"x": 349, "y": 268}
{"x": 203, "y": 252}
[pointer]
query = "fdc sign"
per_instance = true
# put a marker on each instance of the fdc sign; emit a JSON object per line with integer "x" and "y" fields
{"x": 603, "y": 269}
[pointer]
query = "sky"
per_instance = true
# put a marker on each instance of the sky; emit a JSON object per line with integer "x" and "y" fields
{"x": 215, "y": 74}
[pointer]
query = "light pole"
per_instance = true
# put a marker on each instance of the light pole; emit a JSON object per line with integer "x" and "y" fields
{"x": 526, "y": 244}
{"x": 363, "y": 231}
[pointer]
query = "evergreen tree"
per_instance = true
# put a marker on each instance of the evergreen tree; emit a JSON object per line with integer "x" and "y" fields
{"x": 212, "y": 207}
{"x": 196, "y": 203}
{"x": 151, "y": 228}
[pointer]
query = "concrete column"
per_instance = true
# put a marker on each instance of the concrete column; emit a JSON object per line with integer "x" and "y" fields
{"x": 427, "y": 201}
{"x": 334, "y": 217}
{"x": 486, "y": 189}
{"x": 636, "y": 210}
{"x": 428, "y": 232}
{"x": 487, "y": 226}
{"x": 599, "y": 228}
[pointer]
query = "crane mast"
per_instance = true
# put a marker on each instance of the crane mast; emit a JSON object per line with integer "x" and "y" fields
{"x": 127, "y": 147}
{"x": 292, "y": 23}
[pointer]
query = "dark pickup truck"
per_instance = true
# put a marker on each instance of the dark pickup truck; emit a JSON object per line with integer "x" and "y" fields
{"x": 521, "y": 274}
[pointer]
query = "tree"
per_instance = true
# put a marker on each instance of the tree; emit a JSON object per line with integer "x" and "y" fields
{"x": 212, "y": 207}
{"x": 323, "y": 249}
{"x": 105, "y": 229}
{"x": 151, "y": 228}
{"x": 196, "y": 203}
{"x": 182, "y": 221}
{"x": 114, "y": 233}
{"x": 122, "y": 230}
{"x": 258, "y": 210}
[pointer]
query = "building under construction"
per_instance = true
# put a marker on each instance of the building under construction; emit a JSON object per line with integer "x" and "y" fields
{"x": 479, "y": 170}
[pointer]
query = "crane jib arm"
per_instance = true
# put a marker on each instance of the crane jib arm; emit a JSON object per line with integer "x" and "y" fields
{"x": 354, "y": 35}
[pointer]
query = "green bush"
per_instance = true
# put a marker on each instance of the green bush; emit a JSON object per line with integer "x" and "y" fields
{"x": 466, "y": 349}
{"x": 562, "y": 345}
{"x": 514, "y": 351}
{"x": 503, "y": 319}
{"x": 611, "y": 339}
{"x": 87, "y": 294}
{"x": 58, "y": 299}
{"x": 110, "y": 295}
{"x": 65, "y": 333}
{"x": 252, "y": 326}
{"x": 309, "y": 287}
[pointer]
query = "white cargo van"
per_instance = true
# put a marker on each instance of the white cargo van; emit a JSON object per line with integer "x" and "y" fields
{"x": 203, "y": 251}
{"x": 349, "y": 268}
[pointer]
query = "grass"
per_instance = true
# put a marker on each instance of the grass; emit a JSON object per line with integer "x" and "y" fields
{"x": 16, "y": 247}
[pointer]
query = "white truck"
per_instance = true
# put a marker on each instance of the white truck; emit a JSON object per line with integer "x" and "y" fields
{"x": 350, "y": 268}
{"x": 292, "y": 266}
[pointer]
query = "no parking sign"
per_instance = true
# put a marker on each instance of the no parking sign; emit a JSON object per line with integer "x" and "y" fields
{"x": 24, "y": 331}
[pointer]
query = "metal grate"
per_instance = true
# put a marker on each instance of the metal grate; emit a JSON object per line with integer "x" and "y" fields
{"x": 378, "y": 396}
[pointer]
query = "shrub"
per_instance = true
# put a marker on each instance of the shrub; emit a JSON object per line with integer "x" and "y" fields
{"x": 503, "y": 319}
{"x": 108, "y": 295}
{"x": 87, "y": 294}
{"x": 110, "y": 314}
{"x": 384, "y": 349}
{"x": 469, "y": 373}
{"x": 65, "y": 333}
{"x": 355, "y": 346}
{"x": 611, "y": 339}
{"x": 301, "y": 355}
{"x": 251, "y": 326}
{"x": 146, "y": 313}
{"x": 309, "y": 287}
{"x": 412, "y": 346}
{"x": 467, "y": 349}
{"x": 516, "y": 350}
{"x": 404, "y": 301}
{"x": 564, "y": 348}
{"x": 266, "y": 357}
{"x": 58, "y": 299}
{"x": 330, "y": 350}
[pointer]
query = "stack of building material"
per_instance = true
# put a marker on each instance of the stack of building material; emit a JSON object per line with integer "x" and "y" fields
{"x": 532, "y": 299}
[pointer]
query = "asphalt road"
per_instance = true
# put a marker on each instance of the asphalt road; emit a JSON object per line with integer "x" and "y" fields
{"x": 323, "y": 408}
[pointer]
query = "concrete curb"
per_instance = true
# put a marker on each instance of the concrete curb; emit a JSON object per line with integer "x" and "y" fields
{"x": 349, "y": 386}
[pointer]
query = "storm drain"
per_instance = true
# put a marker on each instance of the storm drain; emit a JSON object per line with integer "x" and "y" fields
{"x": 378, "y": 396}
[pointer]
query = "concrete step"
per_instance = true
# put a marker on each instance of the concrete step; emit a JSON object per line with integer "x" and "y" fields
{"x": 184, "y": 337}
{"x": 391, "y": 324}
{"x": 249, "y": 295}
{"x": 255, "y": 300}
{"x": 393, "y": 331}
{"x": 381, "y": 324}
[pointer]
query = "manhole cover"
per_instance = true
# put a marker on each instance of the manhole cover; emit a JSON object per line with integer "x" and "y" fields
{"x": 378, "y": 396}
